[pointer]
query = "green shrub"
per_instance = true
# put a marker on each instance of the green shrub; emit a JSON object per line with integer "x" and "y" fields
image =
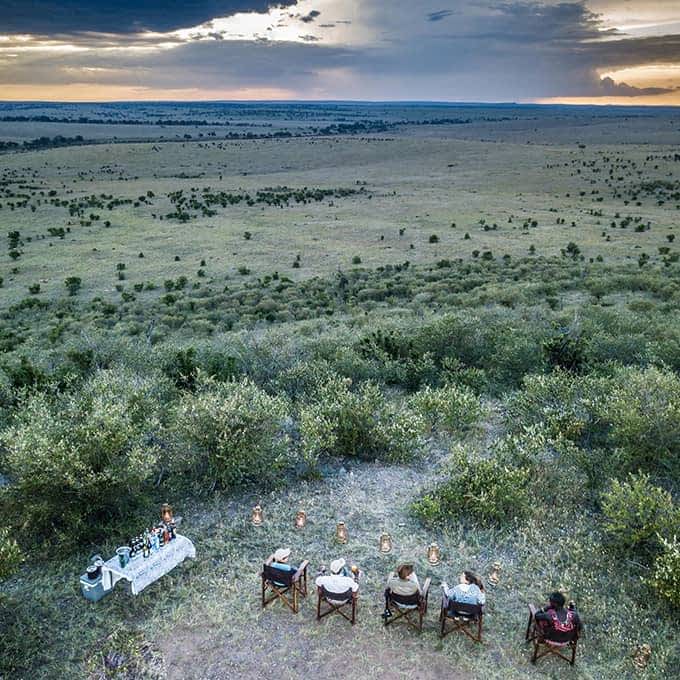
{"x": 643, "y": 413}
{"x": 79, "y": 461}
{"x": 453, "y": 407}
{"x": 236, "y": 432}
{"x": 565, "y": 404}
{"x": 10, "y": 555}
{"x": 636, "y": 513}
{"x": 487, "y": 490}
{"x": 360, "y": 423}
{"x": 665, "y": 578}
{"x": 73, "y": 284}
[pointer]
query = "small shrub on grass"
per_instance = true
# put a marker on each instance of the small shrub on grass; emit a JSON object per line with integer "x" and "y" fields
{"x": 236, "y": 431}
{"x": 10, "y": 555}
{"x": 360, "y": 423}
{"x": 485, "y": 490}
{"x": 665, "y": 577}
{"x": 453, "y": 407}
{"x": 636, "y": 514}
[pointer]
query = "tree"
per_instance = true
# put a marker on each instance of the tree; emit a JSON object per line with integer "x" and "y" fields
{"x": 73, "y": 284}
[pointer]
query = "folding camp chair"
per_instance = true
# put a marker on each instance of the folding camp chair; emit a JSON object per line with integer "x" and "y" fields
{"x": 551, "y": 641}
{"x": 407, "y": 606}
{"x": 336, "y": 603}
{"x": 463, "y": 616}
{"x": 285, "y": 585}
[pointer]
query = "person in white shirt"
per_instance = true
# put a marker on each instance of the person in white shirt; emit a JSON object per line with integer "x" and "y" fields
{"x": 470, "y": 590}
{"x": 336, "y": 582}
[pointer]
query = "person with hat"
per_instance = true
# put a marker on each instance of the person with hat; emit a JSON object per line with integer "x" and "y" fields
{"x": 281, "y": 557}
{"x": 337, "y": 582}
{"x": 404, "y": 582}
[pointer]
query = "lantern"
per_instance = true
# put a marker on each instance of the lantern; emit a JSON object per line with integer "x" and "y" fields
{"x": 257, "y": 516}
{"x": 385, "y": 542}
{"x": 495, "y": 574}
{"x": 641, "y": 656}
{"x": 433, "y": 554}
{"x": 166, "y": 513}
{"x": 300, "y": 519}
{"x": 341, "y": 533}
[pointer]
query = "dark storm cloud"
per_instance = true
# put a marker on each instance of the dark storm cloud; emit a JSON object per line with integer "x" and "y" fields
{"x": 47, "y": 17}
{"x": 308, "y": 18}
{"x": 441, "y": 14}
{"x": 496, "y": 51}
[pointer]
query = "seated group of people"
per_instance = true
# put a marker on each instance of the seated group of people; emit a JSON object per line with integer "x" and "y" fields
{"x": 404, "y": 581}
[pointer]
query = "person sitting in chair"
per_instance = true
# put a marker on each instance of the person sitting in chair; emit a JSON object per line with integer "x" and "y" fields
{"x": 337, "y": 582}
{"x": 554, "y": 616}
{"x": 404, "y": 582}
{"x": 281, "y": 557}
{"x": 470, "y": 590}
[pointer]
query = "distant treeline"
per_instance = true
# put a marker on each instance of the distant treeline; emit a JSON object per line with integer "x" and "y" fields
{"x": 42, "y": 143}
{"x": 167, "y": 122}
{"x": 359, "y": 127}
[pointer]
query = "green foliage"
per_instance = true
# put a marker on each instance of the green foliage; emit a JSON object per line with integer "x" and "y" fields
{"x": 361, "y": 423}
{"x": 236, "y": 431}
{"x": 564, "y": 350}
{"x": 488, "y": 491}
{"x": 10, "y": 555}
{"x": 665, "y": 578}
{"x": 73, "y": 284}
{"x": 453, "y": 407}
{"x": 79, "y": 461}
{"x": 637, "y": 514}
{"x": 642, "y": 409}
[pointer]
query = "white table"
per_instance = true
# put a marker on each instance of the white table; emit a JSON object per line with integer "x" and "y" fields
{"x": 143, "y": 571}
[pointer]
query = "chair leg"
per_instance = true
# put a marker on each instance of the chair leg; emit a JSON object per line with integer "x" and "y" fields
{"x": 526, "y": 636}
{"x": 479, "y": 629}
{"x": 354, "y": 611}
{"x": 535, "y": 654}
{"x": 573, "y": 652}
{"x": 443, "y": 626}
{"x": 263, "y": 591}
{"x": 318, "y": 609}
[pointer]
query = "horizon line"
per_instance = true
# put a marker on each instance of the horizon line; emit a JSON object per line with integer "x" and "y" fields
{"x": 431, "y": 102}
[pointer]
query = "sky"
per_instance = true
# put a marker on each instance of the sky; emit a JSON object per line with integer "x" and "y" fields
{"x": 550, "y": 51}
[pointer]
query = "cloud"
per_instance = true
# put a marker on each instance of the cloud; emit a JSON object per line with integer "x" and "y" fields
{"x": 507, "y": 51}
{"x": 47, "y": 17}
{"x": 308, "y": 18}
{"x": 441, "y": 14}
{"x": 610, "y": 88}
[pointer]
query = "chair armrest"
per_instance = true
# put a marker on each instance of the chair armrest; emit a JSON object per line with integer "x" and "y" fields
{"x": 532, "y": 611}
{"x": 269, "y": 560}
{"x": 426, "y": 587}
{"x": 301, "y": 570}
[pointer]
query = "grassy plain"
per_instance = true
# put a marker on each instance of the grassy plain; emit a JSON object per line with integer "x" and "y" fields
{"x": 311, "y": 282}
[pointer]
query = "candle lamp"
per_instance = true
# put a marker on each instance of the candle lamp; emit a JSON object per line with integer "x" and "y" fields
{"x": 495, "y": 574}
{"x": 641, "y": 656}
{"x": 341, "y": 533}
{"x": 166, "y": 513}
{"x": 300, "y": 519}
{"x": 433, "y": 554}
{"x": 385, "y": 542}
{"x": 257, "y": 516}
